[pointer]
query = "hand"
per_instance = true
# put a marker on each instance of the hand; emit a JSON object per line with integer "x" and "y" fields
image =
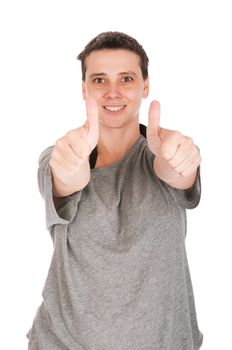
{"x": 179, "y": 151}
{"x": 72, "y": 151}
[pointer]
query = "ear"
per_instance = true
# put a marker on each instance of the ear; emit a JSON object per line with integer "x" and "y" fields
{"x": 84, "y": 94}
{"x": 146, "y": 88}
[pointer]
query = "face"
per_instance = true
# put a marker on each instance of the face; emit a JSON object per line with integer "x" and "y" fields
{"x": 114, "y": 78}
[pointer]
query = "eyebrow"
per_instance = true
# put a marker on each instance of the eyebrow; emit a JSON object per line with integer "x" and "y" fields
{"x": 94, "y": 75}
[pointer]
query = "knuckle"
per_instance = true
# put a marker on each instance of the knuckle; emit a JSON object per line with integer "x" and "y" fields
{"x": 165, "y": 153}
{"x": 59, "y": 143}
{"x": 189, "y": 140}
{"x": 175, "y": 134}
{"x": 71, "y": 133}
{"x": 53, "y": 154}
{"x": 69, "y": 137}
{"x": 53, "y": 163}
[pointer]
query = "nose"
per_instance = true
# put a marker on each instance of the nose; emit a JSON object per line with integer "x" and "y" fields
{"x": 113, "y": 91}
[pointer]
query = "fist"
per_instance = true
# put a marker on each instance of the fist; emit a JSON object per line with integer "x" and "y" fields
{"x": 179, "y": 151}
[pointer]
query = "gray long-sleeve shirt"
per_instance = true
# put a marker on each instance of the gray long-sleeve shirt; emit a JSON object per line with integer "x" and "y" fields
{"x": 119, "y": 275}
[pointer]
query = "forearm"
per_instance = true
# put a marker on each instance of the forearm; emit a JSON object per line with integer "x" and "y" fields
{"x": 165, "y": 172}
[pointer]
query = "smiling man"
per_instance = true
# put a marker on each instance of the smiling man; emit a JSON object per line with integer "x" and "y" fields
{"x": 116, "y": 195}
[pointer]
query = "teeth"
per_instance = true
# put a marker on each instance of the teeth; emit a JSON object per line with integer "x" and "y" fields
{"x": 114, "y": 108}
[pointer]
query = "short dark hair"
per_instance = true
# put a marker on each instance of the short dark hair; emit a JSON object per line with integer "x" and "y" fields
{"x": 114, "y": 40}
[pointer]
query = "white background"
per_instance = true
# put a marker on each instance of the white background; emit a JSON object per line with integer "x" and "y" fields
{"x": 189, "y": 46}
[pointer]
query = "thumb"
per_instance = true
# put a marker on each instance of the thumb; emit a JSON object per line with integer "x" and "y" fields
{"x": 154, "y": 118}
{"x": 92, "y": 111}
{"x": 92, "y": 122}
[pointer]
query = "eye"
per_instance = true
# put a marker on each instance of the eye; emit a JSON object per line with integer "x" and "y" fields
{"x": 99, "y": 80}
{"x": 127, "y": 79}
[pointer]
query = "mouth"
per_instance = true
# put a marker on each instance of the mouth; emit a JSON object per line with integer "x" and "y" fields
{"x": 114, "y": 108}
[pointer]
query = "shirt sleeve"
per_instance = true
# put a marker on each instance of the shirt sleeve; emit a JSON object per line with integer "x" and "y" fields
{"x": 67, "y": 208}
{"x": 189, "y": 198}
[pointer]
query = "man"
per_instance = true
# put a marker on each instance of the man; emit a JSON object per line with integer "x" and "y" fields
{"x": 115, "y": 195}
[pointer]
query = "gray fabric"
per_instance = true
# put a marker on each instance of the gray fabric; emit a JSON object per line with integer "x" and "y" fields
{"x": 119, "y": 275}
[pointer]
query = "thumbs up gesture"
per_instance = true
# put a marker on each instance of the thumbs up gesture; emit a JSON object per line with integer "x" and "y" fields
{"x": 176, "y": 155}
{"x": 69, "y": 158}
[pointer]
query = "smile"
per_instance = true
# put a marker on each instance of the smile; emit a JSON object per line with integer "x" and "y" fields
{"x": 114, "y": 108}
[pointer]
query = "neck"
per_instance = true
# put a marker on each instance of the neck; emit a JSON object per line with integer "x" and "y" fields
{"x": 114, "y": 143}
